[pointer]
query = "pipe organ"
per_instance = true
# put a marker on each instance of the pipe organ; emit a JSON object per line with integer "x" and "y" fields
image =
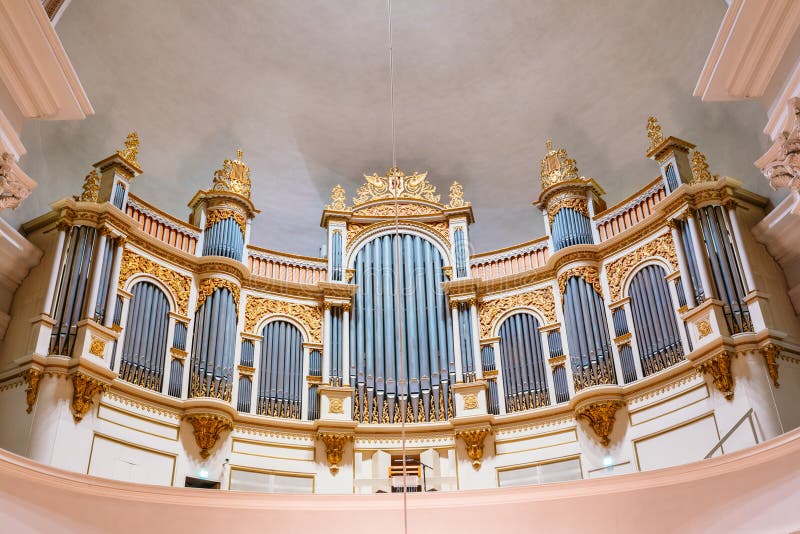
{"x": 400, "y": 323}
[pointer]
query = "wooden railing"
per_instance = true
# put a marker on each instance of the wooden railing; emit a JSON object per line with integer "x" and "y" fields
{"x": 513, "y": 260}
{"x": 630, "y": 211}
{"x": 163, "y": 227}
{"x": 286, "y": 267}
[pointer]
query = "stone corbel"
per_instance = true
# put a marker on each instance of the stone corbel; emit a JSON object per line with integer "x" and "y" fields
{"x": 719, "y": 367}
{"x": 32, "y": 377}
{"x": 771, "y": 353}
{"x": 601, "y": 417}
{"x": 207, "y": 430}
{"x": 15, "y": 185}
{"x": 473, "y": 441}
{"x": 334, "y": 447}
{"x": 84, "y": 388}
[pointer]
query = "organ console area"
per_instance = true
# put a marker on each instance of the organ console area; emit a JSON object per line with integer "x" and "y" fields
{"x": 649, "y": 333}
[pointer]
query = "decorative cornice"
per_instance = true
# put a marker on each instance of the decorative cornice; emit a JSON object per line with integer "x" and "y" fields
{"x": 209, "y": 285}
{"x": 601, "y": 417}
{"x": 217, "y": 215}
{"x": 588, "y": 273}
{"x": 256, "y": 308}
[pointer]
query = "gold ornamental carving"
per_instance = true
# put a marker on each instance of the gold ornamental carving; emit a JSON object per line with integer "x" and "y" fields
{"x": 334, "y": 447}
{"x": 233, "y": 177}
{"x": 589, "y": 274}
{"x": 654, "y": 133}
{"x": 601, "y": 417}
{"x": 619, "y": 269}
{"x": 84, "y": 388}
{"x": 719, "y": 367}
{"x": 91, "y": 187}
{"x": 567, "y": 200}
{"x": 396, "y": 185}
{"x": 338, "y": 200}
{"x": 557, "y": 166}
{"x": 257, "y": 308}
{"x": 209, "y": 285}
{"x": 704, "y": 327}
{"x": 32, "y": 377}
{"x": 470, "y": 401}
{"x": 473, "y": 441}
{"x": 700, "y": 172}
{"x": 133, "y": 264}
{"x": 403, "y": 210}
{"x": 216, "y": 216}
{"x": 457, "y": 196}
{"x": 131, "y": 150}
{"x": 336, "y": 406}
{"x": 97, "y": 347}
{"x": 541, "y": 299}
{"x": 207, "y": 430}
{"x": 771, "y": 353}
{"x": 440, "y": 228}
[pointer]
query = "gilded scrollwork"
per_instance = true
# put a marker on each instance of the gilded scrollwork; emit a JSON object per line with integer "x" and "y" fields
{"x": 457, "y": 196}
{"x": 338, "y": 200}
{"x": 32, "y": 377}
{"x": 473, "y": 442}
{"x": 588, "y": 273}
{"x": 179, "y": 284}
{"x": 700, "y": 172}
{"x": 405, "y": 209}
{"x": 218, "y": 215}
{"x": 567, "y": 200}
{"x": 84, "y": 388}
{"x": 207, "y": 430}
{"x": 771, "y": 353}
{"x": 601, "y": 417}
{"x": 209, "y": 285}
{"x": 654, "y": 133}
{"x": 334, "y": 447}
{"x": 97, "y": 347}
{"x": 719, "y": 368}
{"x": 91, "y": 187}
{"x": 440, "y": 228}
{"x": 557, "y": 166}
{"x": 233, "y": 177}
{"x": 256, "y": 308}
{"x": 618, "y": 270}
{"x": 541, "y": 299}
{"x": 131, "y": 150}
{"x": 396, "y": 185}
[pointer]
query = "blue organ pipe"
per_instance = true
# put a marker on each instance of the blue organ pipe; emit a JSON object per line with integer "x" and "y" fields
{"x": 336, "y": 256}
{"x": 410, "y": 354}
{"x": 282, "y": 349}
{"x": 422, "y": 323}
{"x": 105, "y": 276}
{"x": 369, "y": 317}
{"x": 432, "y": 370}
{"x": 441, "y": 311}
{"x": 245, "y": 387}
{"x": 461, "y": 259}
{"x": 554, "y": 342}
{"x": 699, "y": 291}
{"x": 487, "y": 358}
{"x": 680, "y": 292}
{"x": 389, "y": 288}
{"x": 560, "y": 384}
{"x": 628, "y": 367}
{"x": 119, "y": 195}
{"x": 175, "y": 378}
{"x": 378, "y": 301}
{"x": 519, "y": 350}
{"x": 360, "y": 355}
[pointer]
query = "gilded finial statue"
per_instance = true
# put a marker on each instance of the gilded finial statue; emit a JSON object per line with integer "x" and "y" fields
{"x": 700, "y": 172}
{"x": 234, "y": 176}
{"x": 457, "y": 196}
{"x": 131, "y": 150}
{"x": 654, "y": 133}
{"x": 557, "y": 166}
{"x": 396, "y": 184}
{"x": 91, "y": 187}
{"x": 338, "y": 201}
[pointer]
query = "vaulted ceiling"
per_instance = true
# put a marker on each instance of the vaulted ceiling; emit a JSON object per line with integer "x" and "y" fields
{"x": 302, "y": 87}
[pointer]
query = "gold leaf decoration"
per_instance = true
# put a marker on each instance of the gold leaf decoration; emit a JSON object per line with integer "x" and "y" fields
{"x": 586, "y": 272}
{"x": 207, "y": 430}
{"x": 601, "y": 417}
{"x": 209, "y": 285}
{"x": 654, "y": 133}
{"x": 131, "y": 150}
{"x": 91, "y": 187}
{"x": 473, "y": 443}
{"x": 233, "y": 177}
{"x": 216, "y": 216}
{"x": 617, "y": 271}
{"x": 557, "y": 166}
{"x": 457, "y": 196}
{"x": 719, "y": 367}
{"x": 179, "y": 284}
{"x": 700, "y": 172}
{"x": 338, "y": 201}
{"x": 404, "y": 209}
{"x": 84, "y": 388}
{"x": 257, "y": 308}
{"x": 396, "y": 185}
{"x": 566, "y": 200}
{"x": 542, "y": 299}
{"x": 440, "y": 228}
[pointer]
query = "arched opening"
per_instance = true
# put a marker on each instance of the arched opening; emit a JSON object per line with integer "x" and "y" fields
{"x": 280, "y": 371}
{"x": 523, "y": 365}
{"x": 145, "y": 345}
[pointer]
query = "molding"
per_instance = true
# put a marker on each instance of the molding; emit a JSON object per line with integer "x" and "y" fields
{"x": 751, "y": 41}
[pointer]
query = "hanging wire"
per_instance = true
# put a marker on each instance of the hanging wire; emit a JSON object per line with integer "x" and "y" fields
{"x": 398, "y": 263}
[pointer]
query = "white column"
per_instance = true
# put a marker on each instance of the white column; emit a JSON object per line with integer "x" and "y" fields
{"x": 112, "y": 290}
{"x": 592, "y": 225}
{"x": 551, "y": 387}
{"x": 94, "y": 279}
{"x": 686, "y": 275}
{"x": 501, "y": 390}
{"x": 54, "y": 272}
{"x": 739, "y": 247}
{"x": 456, "y": 342}
{"x": 700, "y": 256}
{"x": 346, "y": 345}
{"x": 168, "y": 355}
{"x": 326, "y": 345}
{"x": 476, "y": 344}
{"x": 637, "y": 361}
{"x": 304, "y": 397}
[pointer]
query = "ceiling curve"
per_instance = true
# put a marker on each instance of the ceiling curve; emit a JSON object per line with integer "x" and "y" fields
{"x": 302, "y": 88}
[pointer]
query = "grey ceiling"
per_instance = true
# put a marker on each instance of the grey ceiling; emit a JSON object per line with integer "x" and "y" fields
{"x": 302, "y": 87}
